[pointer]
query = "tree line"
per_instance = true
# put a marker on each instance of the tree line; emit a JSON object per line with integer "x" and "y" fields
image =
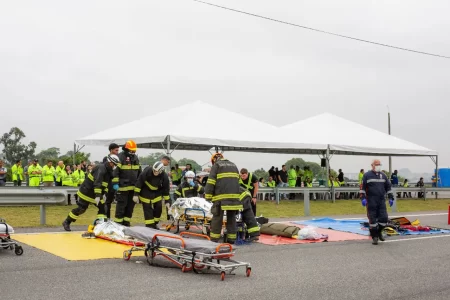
{"x": 14, "y": 149}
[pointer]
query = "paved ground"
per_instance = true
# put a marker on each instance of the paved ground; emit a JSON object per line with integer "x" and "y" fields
{"x": 400, "y": 268}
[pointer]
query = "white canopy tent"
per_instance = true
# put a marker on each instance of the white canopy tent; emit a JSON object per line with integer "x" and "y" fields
{"x": 346, "y": 137}
{"x": 176, "y": 129}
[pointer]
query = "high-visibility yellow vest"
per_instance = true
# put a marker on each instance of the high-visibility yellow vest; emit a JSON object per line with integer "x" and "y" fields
{"x": 78, "y": 177}
{"x": 271, "y": 184}
{"x": 47, "y": 173}
{"x": 17, "y": 173}
{"x": 309, "y": 184}
{"x": 361, "y": 175}
{"x": 67, "y": 179}
{"x": 59, "y": 172}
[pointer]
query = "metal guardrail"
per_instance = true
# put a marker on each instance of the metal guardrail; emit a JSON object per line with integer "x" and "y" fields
{"x": 22, "y": 196}
{"x": 33, "y": 196}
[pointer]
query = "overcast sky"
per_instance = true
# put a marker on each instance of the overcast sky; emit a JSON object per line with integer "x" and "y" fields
{"x": 72, "y": 68}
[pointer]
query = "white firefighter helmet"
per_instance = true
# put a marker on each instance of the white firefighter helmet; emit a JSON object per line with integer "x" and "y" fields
{"x": 189, "y": 174}
{"x": 112, "y": 158}
{"x": 158, "y": 167}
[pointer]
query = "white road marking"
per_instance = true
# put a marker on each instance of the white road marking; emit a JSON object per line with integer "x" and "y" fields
{"x": 418, "y": 238}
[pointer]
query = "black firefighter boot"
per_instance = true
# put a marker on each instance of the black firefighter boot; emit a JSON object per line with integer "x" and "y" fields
{"x": 374, "y": 235}
{"x": 380, "y": 233}
{"x": 66, "y": 225}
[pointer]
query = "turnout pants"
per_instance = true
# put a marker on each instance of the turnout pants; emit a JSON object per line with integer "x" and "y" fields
{"x": 109, "y": 200}
{"x": 249, "y": 218}
{"x": 18, "y": 182}
{"x": 217, "y": 221}
{"x": 83, "y": 206}
{"x": 377, "y": 215}
{"x": 152, "y": 213}
{"x": 124, "y": 207}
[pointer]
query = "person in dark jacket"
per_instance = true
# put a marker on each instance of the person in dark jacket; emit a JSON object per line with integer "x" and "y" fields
{"x": 91, "y": 190}
{"x": 247, "y": 215}
{"x": 113, "y": 149}
{"x": 222, "y": 188}
{"x": 125, "y": 176}
{"x": 151, "y": 188}
{"x": 375, "y": 186}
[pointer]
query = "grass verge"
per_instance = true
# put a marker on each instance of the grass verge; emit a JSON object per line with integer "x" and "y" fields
{"x": 29, "y": 216}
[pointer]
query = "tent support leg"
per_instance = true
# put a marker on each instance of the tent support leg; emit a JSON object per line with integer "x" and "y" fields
{"x": 437, "y": 176}
{"x": 168, "y": 150}
{"x": 327, "y": 156}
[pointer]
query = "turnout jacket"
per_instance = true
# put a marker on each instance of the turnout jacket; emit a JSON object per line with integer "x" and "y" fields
{"x": 127, "y": 172}
{"x": 223, "y": 185}
{"x": 185, "y": 190}
{"x": 151, "y": 188}
{"x": 375, "y": 185}
{"x": 95, "y": 183}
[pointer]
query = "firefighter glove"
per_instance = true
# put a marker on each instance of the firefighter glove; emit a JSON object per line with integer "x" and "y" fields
{"x": 364, "y": 202}
{"x": 97, "y": 200}
{"x": 391, "y": 201}
{"x": 116, "y": 187}
{"x": 136, "y": 199}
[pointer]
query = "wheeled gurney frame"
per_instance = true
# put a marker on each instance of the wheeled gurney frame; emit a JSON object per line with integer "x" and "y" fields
{"x": 190, "y": 260}
{"x": 6, "y": 241}
{"x": 189, "y": 220}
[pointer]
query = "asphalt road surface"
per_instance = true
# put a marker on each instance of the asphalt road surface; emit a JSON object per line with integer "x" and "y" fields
{"x": 400, "y": 268}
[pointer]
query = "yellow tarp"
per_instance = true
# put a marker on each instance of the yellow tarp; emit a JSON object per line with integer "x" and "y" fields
{"x": 71, "y": 246}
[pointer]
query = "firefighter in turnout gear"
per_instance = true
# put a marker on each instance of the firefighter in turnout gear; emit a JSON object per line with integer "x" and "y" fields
{"x": 126, "y": 175}
{"x": 247, "y": 215}
{"x": 113, "y": 149}
{"x": 91, "y": 191}
{"x": 152, "y": 187}
{"x": 375, "y": 186}
{"x": 222, "y": 188}
{"x": 189, "y": 188}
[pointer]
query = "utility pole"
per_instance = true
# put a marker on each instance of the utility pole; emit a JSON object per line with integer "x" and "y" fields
{"x": 389, "y": 131}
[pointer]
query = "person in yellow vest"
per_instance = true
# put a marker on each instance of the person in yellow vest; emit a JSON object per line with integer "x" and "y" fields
{"x": 271, "y": 184}
{"x": 360, "y": 178}
{"x": 176, "y": 175}
{"x": 59, "y": 170}
{"x": 78, "y": 177}
{"x": 309, "y": 184}
{"x": 35, "y": 172}
{"x": 405, "y": 185}
{"x": 17, "y": 173}
{"x": 307, "y": 173}
{"x": 48, "y": 173}
{"x": 67, "y": 180}
{"x": 250, "y": 182}
{"x": 333, "y": 183}
{"x": 292, "y": 180}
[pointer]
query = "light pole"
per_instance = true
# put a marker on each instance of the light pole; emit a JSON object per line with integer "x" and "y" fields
{"x": 389, "y": 131}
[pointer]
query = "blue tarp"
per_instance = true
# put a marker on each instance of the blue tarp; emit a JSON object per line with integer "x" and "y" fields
{"x": 355, "y": 226}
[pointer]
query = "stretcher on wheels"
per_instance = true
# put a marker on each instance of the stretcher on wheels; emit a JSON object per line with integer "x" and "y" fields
{"x": 191, "y": 217}
{"x": 189, "y": 251}
{"x": 5, "y": 239}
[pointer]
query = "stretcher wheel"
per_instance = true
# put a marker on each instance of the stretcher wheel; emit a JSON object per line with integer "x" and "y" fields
{"x": 248, "y": 272}
{"x": 18, "y": 250}
{"x": 183, "y": 268}
{"x": 126, "y": 255}
{"x": 222, "y": 275}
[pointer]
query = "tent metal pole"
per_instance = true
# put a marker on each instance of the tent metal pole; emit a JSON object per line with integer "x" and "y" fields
{"x": 74, "y": 153}
{"x": 327, "y": 155}
{"x": 389, "y": 131}
{"x": 437, "y": 176}
{"x": 168, "y": 151}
